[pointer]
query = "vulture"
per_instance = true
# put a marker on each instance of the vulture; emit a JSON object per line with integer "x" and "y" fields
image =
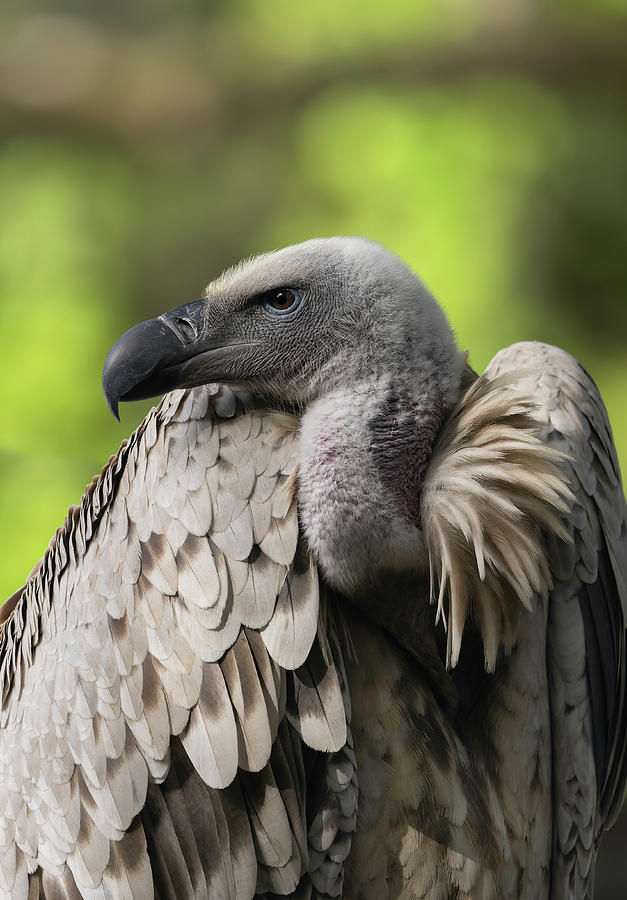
{"x": 341, "y": 618}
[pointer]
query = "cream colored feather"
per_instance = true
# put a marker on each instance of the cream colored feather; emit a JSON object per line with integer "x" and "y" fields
{"x": 491, "y": 490}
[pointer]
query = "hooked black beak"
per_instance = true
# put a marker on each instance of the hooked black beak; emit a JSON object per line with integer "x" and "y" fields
{"x": 162, "y": 354}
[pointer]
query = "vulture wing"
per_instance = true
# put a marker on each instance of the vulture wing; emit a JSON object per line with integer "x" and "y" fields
{"x": 587, "y": 612}
{"x": 167, "y": 678}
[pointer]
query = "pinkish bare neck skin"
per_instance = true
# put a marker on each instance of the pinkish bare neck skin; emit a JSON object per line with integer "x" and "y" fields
{"x": 403, "y": 432}
{"x": 364, "y": 453}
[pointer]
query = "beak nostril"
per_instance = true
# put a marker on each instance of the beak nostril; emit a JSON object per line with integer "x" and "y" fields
{"x": 184, "y": 328}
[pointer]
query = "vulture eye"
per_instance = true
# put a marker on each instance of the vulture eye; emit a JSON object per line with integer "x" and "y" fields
{"x": 281, "y": 300}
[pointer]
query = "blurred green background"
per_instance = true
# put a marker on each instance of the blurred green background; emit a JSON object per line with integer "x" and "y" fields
{"x": 146, "y": 146}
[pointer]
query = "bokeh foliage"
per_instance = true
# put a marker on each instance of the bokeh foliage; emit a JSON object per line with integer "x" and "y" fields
{"x": 145, "y": 147}
{"x": 504, "y": 187}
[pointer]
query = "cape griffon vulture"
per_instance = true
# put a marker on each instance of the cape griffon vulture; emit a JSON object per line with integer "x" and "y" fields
{"x": 340, "y": 618}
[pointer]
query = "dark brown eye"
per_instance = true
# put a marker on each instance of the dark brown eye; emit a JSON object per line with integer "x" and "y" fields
{"x": 282, "y": 300}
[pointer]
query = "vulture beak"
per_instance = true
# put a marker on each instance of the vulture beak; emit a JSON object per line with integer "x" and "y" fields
{"x": 159, "y": 355}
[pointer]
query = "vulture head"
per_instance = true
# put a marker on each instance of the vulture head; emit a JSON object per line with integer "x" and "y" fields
{"x": 397, "y": 466}
{"x": 292, "y": 326}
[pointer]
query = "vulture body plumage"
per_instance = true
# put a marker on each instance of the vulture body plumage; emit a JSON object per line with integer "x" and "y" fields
{"x": 239, "y": 670}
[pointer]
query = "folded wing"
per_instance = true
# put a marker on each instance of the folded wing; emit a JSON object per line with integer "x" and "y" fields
{"x": 165, "y": 670}
{"x": 587, "y": 611}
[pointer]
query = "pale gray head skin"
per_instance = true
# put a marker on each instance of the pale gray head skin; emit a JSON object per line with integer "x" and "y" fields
{"x": 365, "y": 350}
{"x": 363, "y": 312}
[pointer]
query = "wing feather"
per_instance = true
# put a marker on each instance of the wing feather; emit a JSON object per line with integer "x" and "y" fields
{"x": 254, "y": 736}
{"x": 315, "y": 706}
{"x": 133, "y": 679}
{"x": 290, "y": 632}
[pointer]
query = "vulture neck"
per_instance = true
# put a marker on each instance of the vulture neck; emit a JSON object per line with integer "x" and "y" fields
{"x": 364, "y": 454}
{"x": 388, "y": 487}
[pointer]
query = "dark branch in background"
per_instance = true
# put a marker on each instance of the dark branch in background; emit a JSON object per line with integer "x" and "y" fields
{"x": 67, "y": 75}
